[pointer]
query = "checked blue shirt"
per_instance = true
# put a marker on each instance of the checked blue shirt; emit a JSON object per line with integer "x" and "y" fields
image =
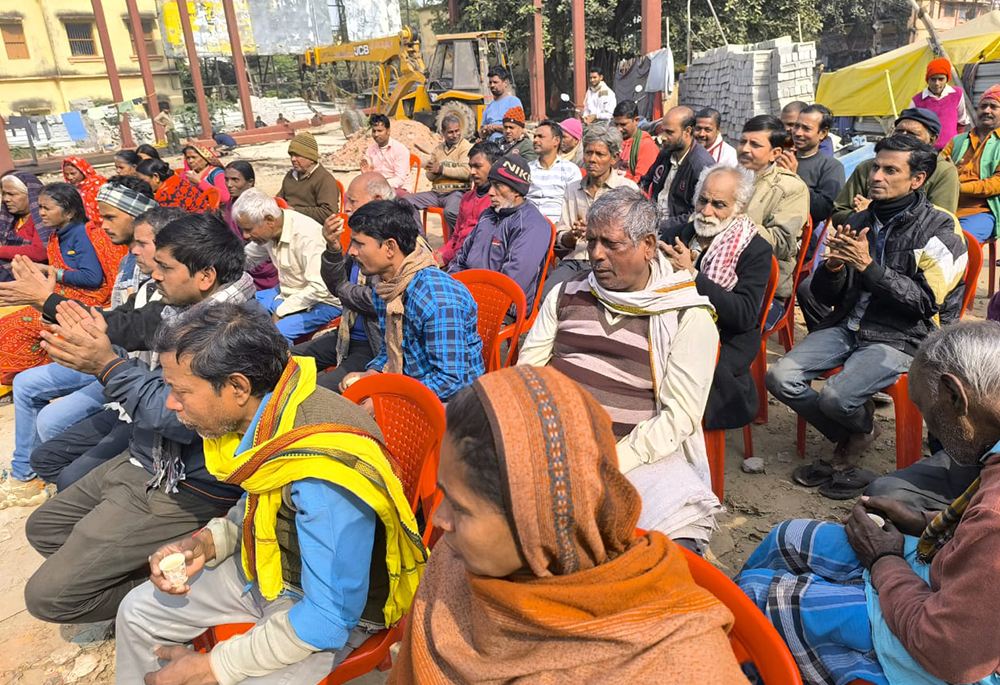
{"x": 441, "y": 345}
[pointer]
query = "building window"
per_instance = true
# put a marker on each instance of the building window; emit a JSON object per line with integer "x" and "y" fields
{"x": 81, "y": 38}
{"x": 147, "y": 37}
{"x": 949, "y": 10}
{"x": 13, "y": 40}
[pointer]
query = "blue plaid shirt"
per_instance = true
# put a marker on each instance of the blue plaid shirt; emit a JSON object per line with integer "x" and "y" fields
{"x": 441, "y": 345}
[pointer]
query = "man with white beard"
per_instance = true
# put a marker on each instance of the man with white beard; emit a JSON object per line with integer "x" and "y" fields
{"x": 731, "y": 263}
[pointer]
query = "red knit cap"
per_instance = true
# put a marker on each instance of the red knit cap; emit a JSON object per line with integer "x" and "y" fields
{"x": 515, "y": 115}
{"x": 938, "y": 66}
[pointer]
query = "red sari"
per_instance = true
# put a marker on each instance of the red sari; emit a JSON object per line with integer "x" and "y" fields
{"x": 178, "y": 192}
{"x": 21, "y": 330}
{"x": 88, "y": 187}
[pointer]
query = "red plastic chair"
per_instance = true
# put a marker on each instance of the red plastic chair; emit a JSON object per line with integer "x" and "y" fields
{"x": 753, "y": 638}
{"x": 415, "y": 162}
{"x": 973, "y": 269}
{"x": 715, "y": 440}
{"x": 340, "y": 187}
{"x": 508, "y": 331}
{"x": 281, "y": 203}
{"x": 909, "y": 420}
{"x": 494, "y": 294}
{"x": 412, "y": 421}
{"x": 445, "y": 228}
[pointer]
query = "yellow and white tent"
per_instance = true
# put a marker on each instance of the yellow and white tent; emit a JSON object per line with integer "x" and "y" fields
{"x": 862, "y": 90}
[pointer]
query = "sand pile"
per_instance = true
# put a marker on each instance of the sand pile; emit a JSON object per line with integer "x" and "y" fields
{"x": 419, "y": 139}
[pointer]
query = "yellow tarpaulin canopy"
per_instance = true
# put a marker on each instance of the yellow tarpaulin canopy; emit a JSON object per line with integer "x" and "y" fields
{"x": 861, "y": 90}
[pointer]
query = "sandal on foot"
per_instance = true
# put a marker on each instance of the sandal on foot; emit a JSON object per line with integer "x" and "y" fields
{"x": 811, "y": 475}
{"x": 847, "y": 484}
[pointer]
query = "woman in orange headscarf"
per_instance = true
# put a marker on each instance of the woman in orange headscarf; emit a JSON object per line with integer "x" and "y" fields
{"x": 205, "y": 171}
{"x": 539, "y": 576}
{"x": 79, "y": 174}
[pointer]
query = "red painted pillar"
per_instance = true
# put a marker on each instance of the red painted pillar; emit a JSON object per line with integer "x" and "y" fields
{"x": 536, "y": 65}
{"x": 109, "y": 63}
{"x": 652, "y": 17}
{"x": 236, "y": 47}
{"x": 452, "y": 13}
{"x": 6, "y": 160}
{"x": 579, "y": 54}
{"x": 195, "y": 66}
{"x": 135, "y": 21}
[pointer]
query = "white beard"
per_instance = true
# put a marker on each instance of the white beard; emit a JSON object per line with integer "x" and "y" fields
{"x": 709, "y": 227}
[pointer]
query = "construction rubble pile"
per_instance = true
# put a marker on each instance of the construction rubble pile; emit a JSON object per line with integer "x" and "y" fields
{"x": 742, "y": 81}
{"x": 417, "y": 138}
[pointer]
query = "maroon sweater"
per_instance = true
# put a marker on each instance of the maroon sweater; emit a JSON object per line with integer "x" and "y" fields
{"x": 952, "y": 628}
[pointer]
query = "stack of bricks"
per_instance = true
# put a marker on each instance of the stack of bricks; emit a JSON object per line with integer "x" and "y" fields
{"x": 742, "y": 81}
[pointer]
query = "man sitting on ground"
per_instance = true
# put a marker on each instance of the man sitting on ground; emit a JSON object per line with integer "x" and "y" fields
{"x": 708, "y": 133}
{"x": 599, "y": 101}
{"x": 482, "y": 157}
{"x": 731, "y": 264}
{"x": 448, "y": 172}
{"x": 308, "y": 187}
{"x": 570, "y": 148}
{"x": 822, "y": 174}
{"x": 642, "y": 341}
{"x": 639, "y": 150}
{"x": 976, "y": 153}
{"x": 602, "y": 143}
{"x": 913, "y": 600}
{"x": 671, "y": 180}
{"x": 387, "y": 156}
{"x": 550, "y": 174}
{"x": 780, "y": 203}
{"x": 328, "y": 483}
{"x": 515, "y": 140}
{"x": 512, "y": 237}
{"x": 428, "y": 319}
{"x": 891, "y": 274}
{"x": 301, "y": 304}
{"x": 97, "y": 535}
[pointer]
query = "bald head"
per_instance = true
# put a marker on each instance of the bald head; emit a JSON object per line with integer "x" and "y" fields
{"x": 366, "y": 187}
{"x": 677, "y": 129}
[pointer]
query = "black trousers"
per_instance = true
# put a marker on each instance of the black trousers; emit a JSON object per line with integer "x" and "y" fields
{"x": 324, "y": 351}
{"x": 81, "y": 448}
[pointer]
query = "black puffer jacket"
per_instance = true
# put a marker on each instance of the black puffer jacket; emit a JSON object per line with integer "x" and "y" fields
{"x": 917, "y": 287}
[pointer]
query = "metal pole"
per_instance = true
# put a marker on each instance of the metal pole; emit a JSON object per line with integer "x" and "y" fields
{"x": 689, "y": 33}
{"x": 452, "y": 13}
{"x": 536, "y": 65}
{"x": 579, "y": 54}
{"x": 652, "y": 12}
{"x": 135, "y": 21}
{"x": 112, "y": 68}
{"x": 236, "y": 47}
{"x": 719, "y": 23}
{"x": 195, "y": 66}
{"x": 6, "y": 159}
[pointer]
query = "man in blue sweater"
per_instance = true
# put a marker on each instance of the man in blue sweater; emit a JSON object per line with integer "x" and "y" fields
{"x": 491, "y": 127}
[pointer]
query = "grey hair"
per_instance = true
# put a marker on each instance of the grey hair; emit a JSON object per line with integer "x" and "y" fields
{"x": 626, "y": 207}
{"x": 968, "y": 350}
{"x": 379, "y": 189}
{"x": 254, "y": 205}
{"x": 603, "y": 132}
{"x": 158, "y": 217}
{"x": 450, "y": 119}
{"x": 16, "y": 182}
{"x": 744, "y": 183}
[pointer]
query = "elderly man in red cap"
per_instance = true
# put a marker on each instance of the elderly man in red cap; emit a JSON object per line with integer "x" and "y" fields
{"x": 514, "y": 137}
{"x": 944, "y": 100}
{"x": 976, "y": 153}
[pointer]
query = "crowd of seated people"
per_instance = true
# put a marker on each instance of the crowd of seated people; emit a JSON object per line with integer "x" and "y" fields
{"x": 177, "y": 341}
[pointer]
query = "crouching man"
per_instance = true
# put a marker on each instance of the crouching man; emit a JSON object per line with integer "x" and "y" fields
{"x": 321, "y": 551}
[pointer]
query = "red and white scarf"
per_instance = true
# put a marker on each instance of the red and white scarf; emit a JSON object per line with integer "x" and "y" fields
{"x": 719, "y": 260}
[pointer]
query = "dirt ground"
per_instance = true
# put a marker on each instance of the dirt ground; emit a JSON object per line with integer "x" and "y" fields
{"x": 37, "y": 653}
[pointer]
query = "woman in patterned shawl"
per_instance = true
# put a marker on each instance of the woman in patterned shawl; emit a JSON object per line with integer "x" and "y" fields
{"x": 21, "y": 228}
{"x": 205, "y": 171}
{"x": 171, "y": 189}
{"x": 79, "y": 174}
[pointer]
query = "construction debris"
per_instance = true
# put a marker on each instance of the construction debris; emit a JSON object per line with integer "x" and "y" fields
{"x": 418, "y": 139}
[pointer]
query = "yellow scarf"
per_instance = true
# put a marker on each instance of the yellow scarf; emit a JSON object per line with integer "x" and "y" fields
{"x": 349, "y": 457}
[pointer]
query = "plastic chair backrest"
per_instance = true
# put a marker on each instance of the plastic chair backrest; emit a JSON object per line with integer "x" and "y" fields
{"x": 340, "y": 187}
{"x": 281, "y": 203}
{"x": 494, "y": 294}
{"x": 753, "y": 637}
{"x": 412, "y": 421}
{"x": 545, "y": 271}
{"x": 804, "y": 239}
{"x": 345, "y": 237}
{"x": 213, "y": 197}
{"x": 772, "y": 287}
{"x": 971, "y": 272}
{"x": 415, "y": 162}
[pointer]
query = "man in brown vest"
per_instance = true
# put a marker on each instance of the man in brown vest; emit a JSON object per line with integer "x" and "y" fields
{"x": 604, "y": 327}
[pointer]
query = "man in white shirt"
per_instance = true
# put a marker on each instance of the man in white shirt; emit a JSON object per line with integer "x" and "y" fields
{"x": 707, "y": 131}
{"x": 599, "y": 101}
{"x": 550, "y": 174}
{"x": 294, "y": 243}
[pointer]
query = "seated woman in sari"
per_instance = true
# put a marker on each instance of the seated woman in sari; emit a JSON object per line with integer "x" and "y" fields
{"x": 21, "y": 228}
{"x": 205, "y": 171}
{"x": 126, "y": 162}
{"x": 539, "y": 576}
{"x": 79, "y": 174}
{"x": 170, "y": 189}
{"x": 239, "y": 177}
{"x": 83, "y": 264}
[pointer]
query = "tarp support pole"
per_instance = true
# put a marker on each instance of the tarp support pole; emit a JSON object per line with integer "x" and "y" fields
{"x": 195, "y": 66}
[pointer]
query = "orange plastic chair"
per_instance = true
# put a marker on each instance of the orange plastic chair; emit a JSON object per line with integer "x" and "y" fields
{"x": 213, "y": 197}
{"x": 909, "y": 420}
{"x": 445, "y": 228}
{"x": 494, "y": 294}
{"x": 340, "y": 187}
{"x": 752, "y": 637}
{"x": 715, "y": 440}
{"x": 412, "y": 421}
{"x": 281, "y": 203}
{"x": 415, "y": 162}
{"x": 508, "y": 331}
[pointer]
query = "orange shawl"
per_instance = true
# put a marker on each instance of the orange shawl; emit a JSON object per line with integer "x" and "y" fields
{"x": 602, "y": 605}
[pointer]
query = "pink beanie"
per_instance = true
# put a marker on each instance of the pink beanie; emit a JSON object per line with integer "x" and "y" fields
{"x": 573, "y": 127}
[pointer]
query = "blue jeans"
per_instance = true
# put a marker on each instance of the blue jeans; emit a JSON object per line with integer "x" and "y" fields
{"x": 838, "y": 410}
{"x": 296, "y": 325}
{"x": 979, "y": 226}
{"x": 36, "y": 421}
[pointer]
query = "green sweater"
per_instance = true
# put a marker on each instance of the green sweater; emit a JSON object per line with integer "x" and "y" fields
{"x": 941, "y": 189}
